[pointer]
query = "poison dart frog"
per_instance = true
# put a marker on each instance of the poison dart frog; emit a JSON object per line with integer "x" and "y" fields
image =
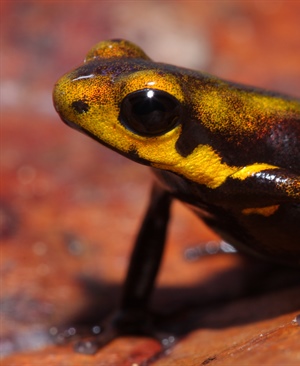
{"x": 230, "y": 152}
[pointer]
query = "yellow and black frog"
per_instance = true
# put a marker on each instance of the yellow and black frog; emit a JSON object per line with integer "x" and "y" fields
{"x": 231, "y": 152}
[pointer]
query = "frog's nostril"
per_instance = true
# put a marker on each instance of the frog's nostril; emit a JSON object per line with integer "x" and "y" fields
{"x": 80, "y": 106}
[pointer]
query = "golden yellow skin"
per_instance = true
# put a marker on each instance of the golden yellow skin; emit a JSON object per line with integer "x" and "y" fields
{"x": 217, "y": 113}
{"x": 236, "y": 149}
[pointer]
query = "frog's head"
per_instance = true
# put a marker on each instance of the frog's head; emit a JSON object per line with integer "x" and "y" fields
{"x": 124, "y": 100}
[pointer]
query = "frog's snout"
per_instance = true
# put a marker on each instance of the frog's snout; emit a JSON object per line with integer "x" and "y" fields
{"x": 66, "y": 101}
{"x": 58, "y": 97}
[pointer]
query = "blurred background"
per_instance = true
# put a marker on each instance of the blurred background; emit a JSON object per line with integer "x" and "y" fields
{"x": 70, "y": 207}
{"x": 250, "y": 42}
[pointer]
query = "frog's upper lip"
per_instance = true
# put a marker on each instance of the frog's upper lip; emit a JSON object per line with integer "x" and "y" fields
{"x": 88, "y": 133}
{"x": 73, "y": 125}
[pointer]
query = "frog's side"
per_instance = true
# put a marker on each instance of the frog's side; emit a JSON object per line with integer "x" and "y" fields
{"x": 231, "y": 152}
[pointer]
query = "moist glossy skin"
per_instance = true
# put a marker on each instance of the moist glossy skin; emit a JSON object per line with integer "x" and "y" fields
{"x": 232, "y": 153}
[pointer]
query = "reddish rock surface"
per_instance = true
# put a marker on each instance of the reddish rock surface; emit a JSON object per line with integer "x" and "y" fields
{"x": 70, "y": 208}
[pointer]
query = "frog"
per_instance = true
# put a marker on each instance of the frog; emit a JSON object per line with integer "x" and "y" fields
{"x": 228, "y": 151}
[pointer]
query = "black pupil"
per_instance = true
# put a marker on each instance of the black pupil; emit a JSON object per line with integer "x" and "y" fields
{"x": 149, "y": 112}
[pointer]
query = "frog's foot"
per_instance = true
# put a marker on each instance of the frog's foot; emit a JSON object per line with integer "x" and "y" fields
{"x": 138, "y": 323}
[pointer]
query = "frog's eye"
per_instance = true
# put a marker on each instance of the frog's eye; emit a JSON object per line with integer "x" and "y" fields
{"x": 150, "y": 112}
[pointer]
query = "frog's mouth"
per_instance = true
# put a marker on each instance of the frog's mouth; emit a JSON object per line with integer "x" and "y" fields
{"x": 132, "y": 154}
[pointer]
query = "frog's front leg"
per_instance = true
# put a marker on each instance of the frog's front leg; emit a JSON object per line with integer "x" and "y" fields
{"x": 133, "y": 315}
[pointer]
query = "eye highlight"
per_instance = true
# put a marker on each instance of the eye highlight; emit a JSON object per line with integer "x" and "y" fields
{"x": 150, "y": 112}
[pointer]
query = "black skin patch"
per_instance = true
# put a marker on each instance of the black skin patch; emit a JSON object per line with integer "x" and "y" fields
{"x": 192, "y": 135}
{"x": 250, "y": 149}
{"x": 111, "y": 68}
{"x": 254, "y": 190}
{"x": 80, "y": 106}
{"x": 133, "y": 154}
{"x": 246, "y": 149}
